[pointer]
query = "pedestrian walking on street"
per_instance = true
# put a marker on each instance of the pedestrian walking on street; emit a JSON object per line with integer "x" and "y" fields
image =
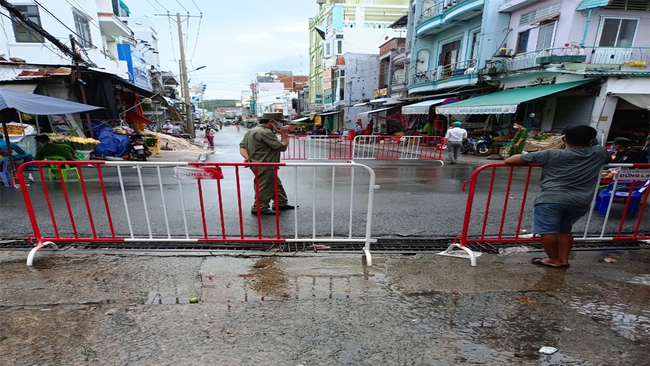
{"x": 454, "y": 140}
{"x": 260, "y": 144}
{"x": 568, "y": 181}
{"x": 209, "y": 134}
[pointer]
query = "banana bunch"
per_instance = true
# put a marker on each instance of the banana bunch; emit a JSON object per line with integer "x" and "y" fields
{"x": 84, "y": 141}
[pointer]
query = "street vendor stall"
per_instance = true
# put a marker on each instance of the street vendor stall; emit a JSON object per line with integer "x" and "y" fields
{"x": 36, "y": 105}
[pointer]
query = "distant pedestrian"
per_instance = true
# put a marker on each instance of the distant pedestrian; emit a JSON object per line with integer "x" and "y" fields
{"x": 454, "y": 140}
{"x": 209, "y": 134}
{"x": 568, "y": 182}
{"x": 260, "y": 145}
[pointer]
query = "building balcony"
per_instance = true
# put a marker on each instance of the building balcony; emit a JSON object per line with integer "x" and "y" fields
{"x": 573, "y": 58}
{"x": 446, "y": 73}
{"x": 445, "y": 14}
{"x": 112, "y": 26}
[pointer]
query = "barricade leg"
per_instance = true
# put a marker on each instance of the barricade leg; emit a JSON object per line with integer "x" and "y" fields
{"x": 39, "y": 245}
{"x": 472, "y": 256}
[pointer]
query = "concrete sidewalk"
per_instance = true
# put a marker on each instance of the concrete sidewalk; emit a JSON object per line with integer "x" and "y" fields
{"x": 126, "y": 308}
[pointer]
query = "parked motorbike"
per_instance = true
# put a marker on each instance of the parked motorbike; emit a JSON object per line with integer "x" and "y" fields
{"x": 484, "y": 145}
{"x": 480, "y": 146}
{"x": 138, "y": 150}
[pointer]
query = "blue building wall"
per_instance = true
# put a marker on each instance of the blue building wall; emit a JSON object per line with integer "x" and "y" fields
{"x": 138, "y": 74}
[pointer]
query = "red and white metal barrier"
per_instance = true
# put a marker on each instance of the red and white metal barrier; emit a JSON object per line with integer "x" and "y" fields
{"x": 197, "y": 203}
{"x": 378, "y": 147}
{"x": 320, "y": 147}
{"x": 389, "y": 147}
{"x": 500, "y": 207}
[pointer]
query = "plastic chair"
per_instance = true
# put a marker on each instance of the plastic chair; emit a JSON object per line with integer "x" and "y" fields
{"x": 53, "y": 169}
{"x": 622, "y": 191}
{"x": 4, "y": 173}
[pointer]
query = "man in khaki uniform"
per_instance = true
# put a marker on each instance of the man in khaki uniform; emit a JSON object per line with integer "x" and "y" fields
{"x": 260, "y": 145}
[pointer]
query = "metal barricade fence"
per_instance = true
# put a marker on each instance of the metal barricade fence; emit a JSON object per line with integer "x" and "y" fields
{"x": 500, "y": 206}
{"x": 320, "y": 147}
{"x": 389, "y": 147}
{"x": 115, "y": 201}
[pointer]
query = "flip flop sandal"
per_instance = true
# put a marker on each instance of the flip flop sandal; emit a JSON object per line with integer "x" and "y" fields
{"x": 538, "y": 261}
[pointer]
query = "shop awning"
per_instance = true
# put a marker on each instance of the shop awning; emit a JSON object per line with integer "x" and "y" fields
{"x": 363, "y": 115}
{"x": 506, "y": 101}
{"x": 301, "y": 119}
{"x": 639, "y": 100}
{"x": 421, "y": 107}
{"x": 590, "y": 4}
{"x": 25, "y": 88}
{"x": 328, "y": 113}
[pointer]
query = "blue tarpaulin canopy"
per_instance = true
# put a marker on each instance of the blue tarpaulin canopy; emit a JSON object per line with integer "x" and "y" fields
{"x": 40, "y": 104}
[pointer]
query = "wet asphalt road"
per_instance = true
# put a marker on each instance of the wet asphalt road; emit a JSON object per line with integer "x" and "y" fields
{"x": 76, "y": 307}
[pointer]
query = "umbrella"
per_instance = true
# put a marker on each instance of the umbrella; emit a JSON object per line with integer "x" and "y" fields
{"x": 36, "y": 104}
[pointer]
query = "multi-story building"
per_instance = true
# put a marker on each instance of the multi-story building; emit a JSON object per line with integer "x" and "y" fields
{"x": 447, "y": 42}
{"x": 572, "y": 63}
{"x": 93, "y": 23}
{"x": 114, "y": 63}
{"x": 267, "y": 91}
{"x": 345, "y": 27}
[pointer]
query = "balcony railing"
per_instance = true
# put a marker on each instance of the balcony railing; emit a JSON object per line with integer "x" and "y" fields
{"x": 438, "y": 8}
{"x": 398, "y": 79}
{"x": 580, "y": 59}
{"x": 453, "y": 70}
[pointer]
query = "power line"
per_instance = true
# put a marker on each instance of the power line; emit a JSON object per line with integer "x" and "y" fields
{"x": 36, "y": 27}
{"x": 157, "y": 2}
{"x": 198, "y": 31}
{"x": 153, "y": 6}
{"x": 179, "y": 3}
{"x": 171, "y": 36}
{"x": 59, "y": 20}
{"x": 35, "y": 34}
{"x": 197, "y": 7}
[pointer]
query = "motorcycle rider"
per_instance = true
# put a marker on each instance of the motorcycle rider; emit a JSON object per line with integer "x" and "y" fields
{"x": 454, "y": 140}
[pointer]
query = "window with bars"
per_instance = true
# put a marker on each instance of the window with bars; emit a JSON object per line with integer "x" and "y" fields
{"x": 83, "y": 30}
{"x": 617, "y": 32}
{"x": 22, "y": 32}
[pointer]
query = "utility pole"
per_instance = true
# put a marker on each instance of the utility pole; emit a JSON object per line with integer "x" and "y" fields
{"x": 189, "y": 123}
{"x": 189, "y": 119}
{"x": 77, "y": 80}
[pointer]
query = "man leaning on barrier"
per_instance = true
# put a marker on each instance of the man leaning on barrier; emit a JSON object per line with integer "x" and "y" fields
{"x": 568, "y": 181}
{"x": 260, "y": 145}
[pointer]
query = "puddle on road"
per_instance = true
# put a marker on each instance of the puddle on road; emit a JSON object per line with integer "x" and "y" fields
{"x": 615, "y": 316}
{"x": 155, "y": 299}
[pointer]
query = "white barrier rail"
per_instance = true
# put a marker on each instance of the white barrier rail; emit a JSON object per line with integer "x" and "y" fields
{"x": 388, "y": 147}
{"x": 199, "y": 202}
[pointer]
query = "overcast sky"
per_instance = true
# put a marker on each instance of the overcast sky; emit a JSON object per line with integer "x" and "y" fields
{"x": 236, "y": 39}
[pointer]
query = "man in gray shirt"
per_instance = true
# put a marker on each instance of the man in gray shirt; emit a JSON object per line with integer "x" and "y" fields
{"x": 568, "y": 182}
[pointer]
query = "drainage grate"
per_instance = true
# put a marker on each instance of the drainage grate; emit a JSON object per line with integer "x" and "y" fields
{"x": 384, "y": 245}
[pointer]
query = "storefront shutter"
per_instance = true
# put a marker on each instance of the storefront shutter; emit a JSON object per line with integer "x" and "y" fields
{"x": 572, "y": 111}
